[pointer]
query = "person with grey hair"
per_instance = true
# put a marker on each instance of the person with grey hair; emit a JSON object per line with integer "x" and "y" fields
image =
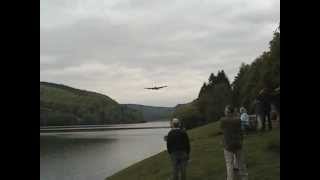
{"x": 232, "y": 142}
{"x": 178, "y": 147}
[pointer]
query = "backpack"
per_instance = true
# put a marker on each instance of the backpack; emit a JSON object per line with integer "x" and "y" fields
{"x": 232, "y": 133}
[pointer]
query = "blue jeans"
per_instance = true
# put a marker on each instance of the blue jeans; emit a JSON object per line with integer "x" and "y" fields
{"x": 179, "y": 161}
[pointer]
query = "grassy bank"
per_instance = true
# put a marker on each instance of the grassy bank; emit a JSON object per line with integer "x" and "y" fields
{"x": 207, "y": 160}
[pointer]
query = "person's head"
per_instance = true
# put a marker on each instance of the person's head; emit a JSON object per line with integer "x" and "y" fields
{"x": 261, "y": 91}
{"x": 175, "y": 123}
{"x": 243, "y": 110}
{"x": 228, "y": 110}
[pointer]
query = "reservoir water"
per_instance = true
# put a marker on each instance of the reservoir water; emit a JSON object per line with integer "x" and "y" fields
{"x": 95, "y": 155}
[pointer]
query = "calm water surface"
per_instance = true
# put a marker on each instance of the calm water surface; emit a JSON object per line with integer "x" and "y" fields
{"x": 97, "y": 155}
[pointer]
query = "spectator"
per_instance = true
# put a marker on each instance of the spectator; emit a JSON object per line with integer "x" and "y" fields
{"x": 244, "y": 120}
{"x": 232, "y": 141}
{"x": 178, "y": 147}
{"x": 266, "y": 108}
{"x": 276, "y": 101}
{"x": 259, "y": 112}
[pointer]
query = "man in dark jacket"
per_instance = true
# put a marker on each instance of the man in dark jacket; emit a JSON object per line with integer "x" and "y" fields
{"x": 263, "y": 109}
{"x": 266, "y": 101}
{"x": 276, "y": 100}
{"x": 178, "y": 147}
{"x": 232, "y": 142}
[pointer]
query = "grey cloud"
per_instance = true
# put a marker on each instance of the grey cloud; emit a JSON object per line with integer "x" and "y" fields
{"x": 117, "y": 47}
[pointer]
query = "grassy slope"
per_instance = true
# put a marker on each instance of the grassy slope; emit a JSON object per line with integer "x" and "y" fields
{"x": 207, "y": 160}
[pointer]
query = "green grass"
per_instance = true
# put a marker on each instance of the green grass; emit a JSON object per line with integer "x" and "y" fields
{"x": 207, "y": 160}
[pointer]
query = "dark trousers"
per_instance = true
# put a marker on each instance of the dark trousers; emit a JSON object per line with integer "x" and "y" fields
{"x": 179, "y": 161}
{"x": 266, "y": 117}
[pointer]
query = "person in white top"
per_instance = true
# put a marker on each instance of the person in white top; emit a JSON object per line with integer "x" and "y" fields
{"x": 244, "y": 119}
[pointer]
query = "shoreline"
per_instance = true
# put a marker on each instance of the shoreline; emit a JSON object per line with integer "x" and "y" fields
{"x": 207, "y": 159}
{"x": 108, "y": 127}
{"x": 90, "y": 129}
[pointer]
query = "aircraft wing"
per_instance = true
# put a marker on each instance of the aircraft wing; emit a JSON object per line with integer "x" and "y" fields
{"x": 156, "y": 88}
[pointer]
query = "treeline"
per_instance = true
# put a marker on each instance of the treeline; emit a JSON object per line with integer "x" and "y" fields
{"x": 264, "y": 72}
{"x": 153, "y": 113}
{"x": 62, "y": 105}
{"x": 214, "y": 95}
{"x": 190, "y": 115}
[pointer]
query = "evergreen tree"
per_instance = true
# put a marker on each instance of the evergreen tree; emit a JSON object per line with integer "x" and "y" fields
{"x": 212, "y": 79}
{"x": 214, "y": 96}
{"x": 202, "y": 90}
{"x": 263, "y": 72}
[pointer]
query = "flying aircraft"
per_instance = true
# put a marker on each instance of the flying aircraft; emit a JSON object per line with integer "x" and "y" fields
{"x": 156, "y": 88}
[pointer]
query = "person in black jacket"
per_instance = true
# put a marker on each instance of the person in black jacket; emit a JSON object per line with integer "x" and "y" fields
{"x": 266, "y": 101}
{"x": 276, "y": 101}
{"x": 263, "y": 109}
{"x": 178, "y": 147}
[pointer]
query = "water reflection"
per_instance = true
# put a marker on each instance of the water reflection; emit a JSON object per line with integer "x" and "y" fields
{"x": 95, "y": 155}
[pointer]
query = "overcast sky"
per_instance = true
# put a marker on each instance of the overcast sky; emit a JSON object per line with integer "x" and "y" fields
{"x": 118, "y": 47}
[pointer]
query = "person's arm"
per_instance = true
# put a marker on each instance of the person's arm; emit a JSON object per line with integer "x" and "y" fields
{"x": 241, "y": 137}
{"x": 222, "y": 131}
{"x": 169, "y": 143}
{"x": 246, "y": 118}
{"x": 187, "y": 143}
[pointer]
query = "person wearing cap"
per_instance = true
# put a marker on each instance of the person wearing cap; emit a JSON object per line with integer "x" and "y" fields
{"x": 178, "y": 147}
{"x": 232, "y": 143}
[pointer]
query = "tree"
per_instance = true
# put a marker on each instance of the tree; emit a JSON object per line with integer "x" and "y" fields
{"x": 238, "y": 84}
{"x": 264, "y": 72}
{"x": 214, "y": 96}
{"x": 212, "y": 79}
{"x": 203, "y": 89}
{"x": 189, "y": 114}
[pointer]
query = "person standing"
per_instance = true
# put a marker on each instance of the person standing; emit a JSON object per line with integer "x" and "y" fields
{"x": 232, "y": 142}
{"x": 178, "y": 147}
{"x": 276, "y": 101}
{"x": 259, "y": 111}
{"x": 244, "y": 120}
{"x": 237, "y": 112}
{"x": 266, "y": 108}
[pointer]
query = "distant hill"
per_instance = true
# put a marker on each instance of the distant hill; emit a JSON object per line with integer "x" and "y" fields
{"x": 63, "y": 105}
{"x": 153, "y": 113}
{"x": 189, "y": 114}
